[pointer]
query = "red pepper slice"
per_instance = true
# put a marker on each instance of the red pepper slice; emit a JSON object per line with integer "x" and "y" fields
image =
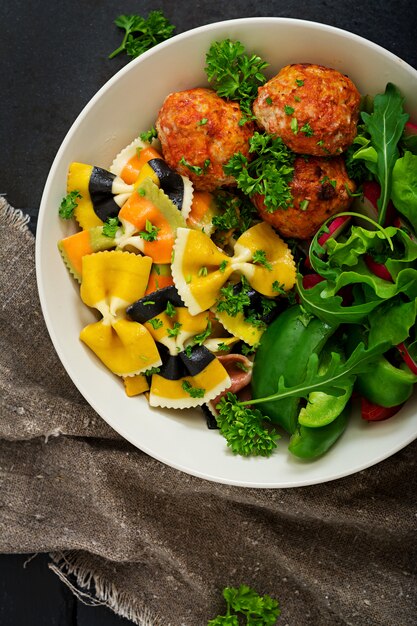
{"x": 408, "y": 359}
{"x": 375, "y": 413}
{"x": 311, "y": 280}
{"x": 378, "y": 269}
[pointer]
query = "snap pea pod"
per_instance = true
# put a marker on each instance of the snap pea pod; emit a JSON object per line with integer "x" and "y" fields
{"x": 310, "y": 443}
{"x": 284, "y": 350}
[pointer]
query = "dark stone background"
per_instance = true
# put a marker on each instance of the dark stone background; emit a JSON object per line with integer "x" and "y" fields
{"x": 53, "y": 58}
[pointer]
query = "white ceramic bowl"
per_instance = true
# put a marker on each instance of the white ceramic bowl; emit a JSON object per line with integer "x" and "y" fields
{"x": 128, "y": 104}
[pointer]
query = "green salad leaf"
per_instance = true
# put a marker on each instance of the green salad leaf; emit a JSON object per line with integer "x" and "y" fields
{"x": 404, "y": 187}
{"x": 385, "y": 126}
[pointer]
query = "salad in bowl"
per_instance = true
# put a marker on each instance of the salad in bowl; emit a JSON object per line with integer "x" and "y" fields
{"x": 246, "y": 261}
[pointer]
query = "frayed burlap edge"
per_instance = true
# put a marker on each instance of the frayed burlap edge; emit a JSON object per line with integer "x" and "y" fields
{"x": 94, "y": 589}
{"x": 14, "y": 217}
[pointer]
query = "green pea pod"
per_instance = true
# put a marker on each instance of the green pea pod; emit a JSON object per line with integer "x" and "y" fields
{"x": 284, "y": 350}
{"x": 322, "y": 408}
{"x": 310, "y": 443}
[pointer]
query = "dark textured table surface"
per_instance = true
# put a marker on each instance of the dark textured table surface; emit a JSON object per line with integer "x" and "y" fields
{"x": 53, "y": 58}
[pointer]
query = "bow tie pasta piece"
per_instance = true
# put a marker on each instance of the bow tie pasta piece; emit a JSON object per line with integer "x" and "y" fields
{"x": 150, "y": 221}
{"x": 111, "y": 281}
{"x": 200, "y": 268}
{"x": 102, "y": 193}
{"x": 140, "y": 160}
{"x": 164, "y": 315}
{"x": 186, "y": 381}
{"x": 74, "y": 247}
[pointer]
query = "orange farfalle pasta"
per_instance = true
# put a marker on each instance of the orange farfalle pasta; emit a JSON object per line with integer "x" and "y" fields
{"x": 111, "y": 281}
{"x": 140, "y": 160}
{"x": 150, "y": 221}
{"x": 200, "y": 269}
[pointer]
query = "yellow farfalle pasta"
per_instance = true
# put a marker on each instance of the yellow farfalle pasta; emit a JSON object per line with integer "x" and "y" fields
{"x": 190, "y": 375}
{"x": 200, "y": 269}
{"x": 111, "y": 281}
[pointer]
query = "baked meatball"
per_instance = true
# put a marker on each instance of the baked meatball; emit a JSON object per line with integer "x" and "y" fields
{"x": 320, "y": 188}
{"x": 199, "y": 132}
{"x": 314, "y": 109}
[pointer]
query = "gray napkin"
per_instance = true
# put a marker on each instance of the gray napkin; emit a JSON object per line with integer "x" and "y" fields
{"x": 157, "y": 545}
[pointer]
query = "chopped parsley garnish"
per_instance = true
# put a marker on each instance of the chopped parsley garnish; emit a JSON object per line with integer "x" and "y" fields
{"x": 194, "y": 392}
{"x": 200, "y": 338}
{"x": 170, "y": 310}
{"x": 141, "y": 192}
{"x": 156, "y": 323}
{"x": 268, "y": 100}
{"x": 203, "y": 271}
{"x": 69, "y": 204}
{"x": 175, "y": 330}
{"x": 235, "y": 75}
{"x": 297, "y": 98}
{"x": 246, "y": 350}
{"x": 149, "y": 135}
{"x": 222, "y": 347}
{"x": 233, "y": 301}
{"x": 237, "y": 212}
{"x": 202, "y": 122}
{"x": 288, "y": 110}
{"x": 278, "y": 287}
{"x": 222, "y": 266}
{"x": 150, "y": 233}
{"x": 294, "y": 125}
{"x": 141, "y": 33}
{"x": 259, "y": 256}
{"x": 268, "y": 173}
{"x": 326, "y": 179}
{"x": 110, "y": 227}
{"x": 195, "y": 169}
{"x": 307, "y": 130}
{"x": 304, "y": 205}
{"x": 299, "y": 82}
{"x": 152, "y": 370}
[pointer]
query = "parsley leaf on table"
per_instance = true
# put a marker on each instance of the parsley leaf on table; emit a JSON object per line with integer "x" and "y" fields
{"x": 245, "y": 601}
{"x": 141, "y": 33}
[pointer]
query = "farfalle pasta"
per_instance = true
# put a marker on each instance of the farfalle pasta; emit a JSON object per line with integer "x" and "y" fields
{"x": 190, "y": 374}
{"x": 200, "y": 269}
{"x": 111, "y": 281}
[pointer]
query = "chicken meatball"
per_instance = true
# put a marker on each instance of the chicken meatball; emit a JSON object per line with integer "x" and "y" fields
{"x": 320, "y": 188}
{"x": 199, "y": 132}
{"x": 314, "y": 109}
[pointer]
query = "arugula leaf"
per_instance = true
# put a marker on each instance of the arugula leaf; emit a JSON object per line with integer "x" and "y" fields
{"x": 404, "y": 187}
{"x": 141, "y": 33}
{"x": 385, "y": 126}
{"x": 267, "y": 174}
{"x": 234, "y": 74}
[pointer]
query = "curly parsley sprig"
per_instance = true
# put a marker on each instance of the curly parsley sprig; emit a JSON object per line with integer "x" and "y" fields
{"x": 234, "y": 74}
{"x": 268, "y": 174}
{"x": 142, "y": 33}
{"x": 245, "y": 602}
{"x": 244, "y": 428}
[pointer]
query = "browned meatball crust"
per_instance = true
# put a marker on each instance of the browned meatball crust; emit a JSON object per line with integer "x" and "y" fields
{"x": 201, "y": 129}
{"x": 320, "y": 188}
{"x": 314, "y": 109}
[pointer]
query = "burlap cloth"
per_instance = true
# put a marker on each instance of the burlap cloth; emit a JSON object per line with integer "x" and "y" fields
{"x": 157, "y": 545}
